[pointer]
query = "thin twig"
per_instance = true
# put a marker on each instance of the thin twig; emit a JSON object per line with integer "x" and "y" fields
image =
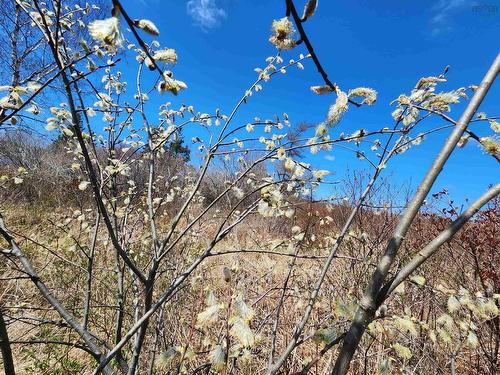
{"x": 310, "y": 48}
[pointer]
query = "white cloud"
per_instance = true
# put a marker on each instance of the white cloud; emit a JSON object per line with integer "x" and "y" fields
{"x": 206, "y": 13}
{"x": 443, "y": 10}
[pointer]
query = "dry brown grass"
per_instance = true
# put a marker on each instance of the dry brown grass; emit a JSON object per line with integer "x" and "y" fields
{"x": 259, "y": 278}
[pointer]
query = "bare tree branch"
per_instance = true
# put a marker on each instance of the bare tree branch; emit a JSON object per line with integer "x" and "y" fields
{"x": 368, "y": 304}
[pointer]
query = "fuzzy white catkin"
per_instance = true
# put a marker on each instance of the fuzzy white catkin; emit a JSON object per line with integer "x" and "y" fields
{"x": 148, "y": 27}
{"x": 309, "y": 9}
{"x": 337, "y": 109}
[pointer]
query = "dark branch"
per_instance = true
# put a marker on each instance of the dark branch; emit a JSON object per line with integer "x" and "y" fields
{"x": 303, "y": 37}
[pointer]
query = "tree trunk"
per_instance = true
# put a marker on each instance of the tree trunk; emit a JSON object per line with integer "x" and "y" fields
{"x": 8, "y": 361}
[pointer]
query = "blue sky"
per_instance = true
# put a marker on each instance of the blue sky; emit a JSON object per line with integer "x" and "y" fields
{"x": 387, "y": 45}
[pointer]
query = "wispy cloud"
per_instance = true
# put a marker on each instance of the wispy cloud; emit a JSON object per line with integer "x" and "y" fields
{"x": 206, "y": 13}
{"x": 442, "y": 12}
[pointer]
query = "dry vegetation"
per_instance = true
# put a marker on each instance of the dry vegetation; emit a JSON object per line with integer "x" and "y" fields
{"x": 264, "y": 267}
